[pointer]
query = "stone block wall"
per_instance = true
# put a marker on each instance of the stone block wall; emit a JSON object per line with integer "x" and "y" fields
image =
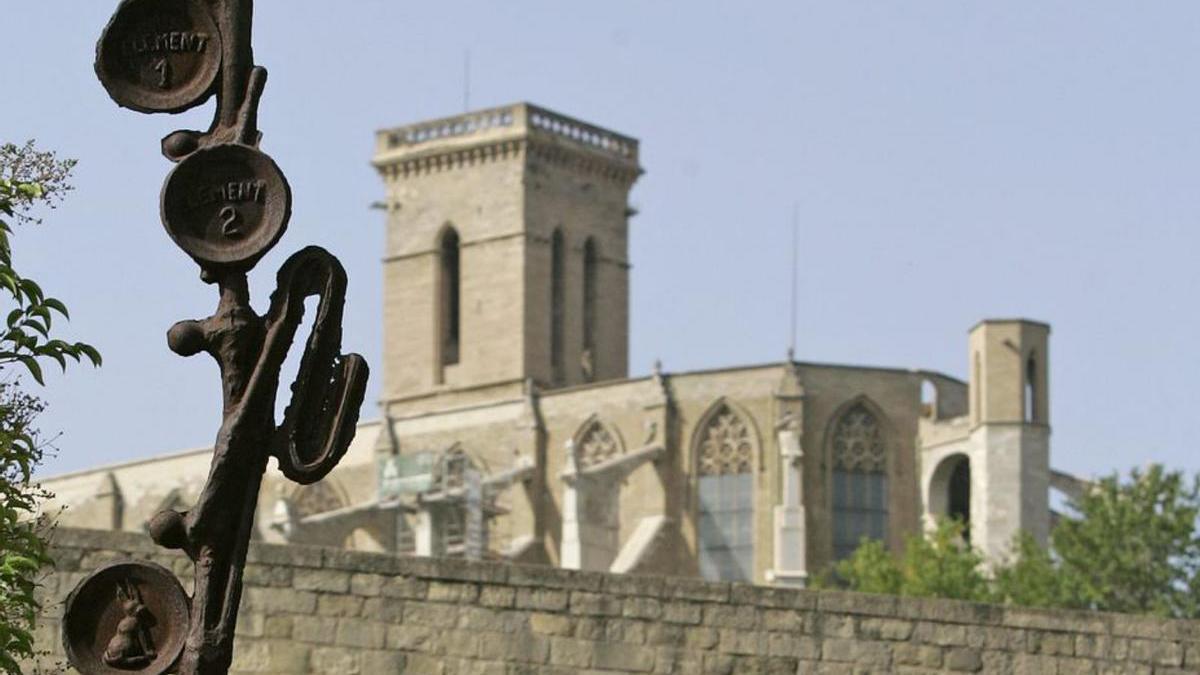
{"x": 312, "y": 610}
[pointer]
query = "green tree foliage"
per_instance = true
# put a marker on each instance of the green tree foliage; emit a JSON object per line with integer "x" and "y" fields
{"x": 23, "y": 551}
{"x": 1031, "y": 578}
{"x": 940, "y": 565}
{"x": 28, "y": 179}
{"x": 1129, "y": 545}
{"x": 1134, "y": 547}
{"x": 870, "y": 569}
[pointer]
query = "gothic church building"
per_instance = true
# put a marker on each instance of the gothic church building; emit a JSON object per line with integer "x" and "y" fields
{"x": 510, "y": 427}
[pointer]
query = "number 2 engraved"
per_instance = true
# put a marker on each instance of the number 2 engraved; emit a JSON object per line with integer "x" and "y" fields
{"x": 164, "y": 73}
{"x": 229, "y": 222}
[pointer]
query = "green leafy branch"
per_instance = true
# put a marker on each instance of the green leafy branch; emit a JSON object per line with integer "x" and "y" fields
{"x": 25, "y": 336}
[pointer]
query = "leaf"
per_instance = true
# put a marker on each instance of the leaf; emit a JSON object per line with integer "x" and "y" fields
{"x": 18, "y": 564}
{"x": 32, "y": 290}
{"x": 58, "y": 306}
{"x": 58, "y": 356}
{"x": 35, "y": 370}
{"x": 10, "y": 282}
{"x": 41, "y": 310}
{"x": 38, "y": 326}
{"x": 92, "y": 354}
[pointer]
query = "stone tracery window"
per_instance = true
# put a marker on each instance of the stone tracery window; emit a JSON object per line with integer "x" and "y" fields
{"x": 860, "y": 482}
{"x": 725, "y": 446}
{"x": 725, "y": 496}
{"x": 596, "y": 444}
{"x": 858, "y": 443}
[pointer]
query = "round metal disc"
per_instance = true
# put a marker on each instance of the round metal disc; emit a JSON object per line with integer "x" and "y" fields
{"x": 127, "y": 617}
{"x": 226, "y": 205}
{"x": 159, "y": 55}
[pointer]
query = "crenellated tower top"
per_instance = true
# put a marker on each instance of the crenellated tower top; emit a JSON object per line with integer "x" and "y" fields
{"x": 460, "y": 139}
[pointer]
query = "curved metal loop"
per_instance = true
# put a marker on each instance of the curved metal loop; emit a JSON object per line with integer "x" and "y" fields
{"x": 320, "y": 420}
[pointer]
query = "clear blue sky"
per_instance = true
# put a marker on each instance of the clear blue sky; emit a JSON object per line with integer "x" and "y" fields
{"x": 951, "y": 161}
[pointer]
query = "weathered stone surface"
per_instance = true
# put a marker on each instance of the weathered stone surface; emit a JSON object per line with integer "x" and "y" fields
{"x": 318, "y": 614}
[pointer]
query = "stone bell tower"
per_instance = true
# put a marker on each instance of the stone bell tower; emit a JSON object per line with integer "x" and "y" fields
{"x": 1010, "y": 432}
{"x": 506, "y": 258}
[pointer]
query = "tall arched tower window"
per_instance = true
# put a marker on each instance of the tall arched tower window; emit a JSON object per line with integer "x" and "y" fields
{"x": 725, "y": 508}
{"x": 860, "y": 485}
{"x": 558, "y": 308}
{"x": 589, "y": 306}
{"x": 1031, "y": 375}
{"x": 450, "y": 303}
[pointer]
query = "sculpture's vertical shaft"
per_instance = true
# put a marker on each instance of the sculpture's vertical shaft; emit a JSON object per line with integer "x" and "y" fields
{"x": 219, "y": 527}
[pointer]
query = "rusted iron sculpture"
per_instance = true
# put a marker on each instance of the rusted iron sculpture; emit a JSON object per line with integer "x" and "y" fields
{"x": 225, "y": 204}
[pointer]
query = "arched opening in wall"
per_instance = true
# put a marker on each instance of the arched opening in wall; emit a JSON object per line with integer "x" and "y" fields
{"x": 450, "y": 302}
{"x": 558, "y": 308}
{"x": 589, "y": 308}
{"x": 725, "y": 451}
{"x": 1031, "y": 389}
{"x": 860, "y": 480}
{"x": 949, "y": 491}
{"x": 928, "y": 399}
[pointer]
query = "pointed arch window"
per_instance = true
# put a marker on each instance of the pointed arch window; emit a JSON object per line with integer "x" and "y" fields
{"x": 589, "y": 305}
{"x": 558, "y": 309}
{"x": 860, "y": 484}
{"x": 450, "y": 288}
{"x": 725, "y": 505}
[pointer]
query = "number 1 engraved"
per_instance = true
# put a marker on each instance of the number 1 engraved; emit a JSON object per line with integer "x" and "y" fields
{"x": 164, "y": 73}
{"x": 229, "y": 222}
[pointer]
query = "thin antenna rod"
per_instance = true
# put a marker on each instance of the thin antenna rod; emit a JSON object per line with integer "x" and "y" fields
{"x": 467, "y": 81}
{"x": 795, "y": 276}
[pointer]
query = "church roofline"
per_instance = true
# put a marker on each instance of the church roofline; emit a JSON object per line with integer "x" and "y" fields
{"x": 639, "y": 379}
{"x": 756, "y": 366}
{"x": 816, "y": 364}
{"x": 108, "y": 468}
